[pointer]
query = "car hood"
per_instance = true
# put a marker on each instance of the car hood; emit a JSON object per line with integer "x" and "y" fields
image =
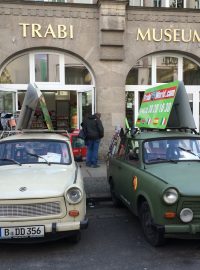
{"x": 40, "y": 181}
{"x": 183, "y": 175}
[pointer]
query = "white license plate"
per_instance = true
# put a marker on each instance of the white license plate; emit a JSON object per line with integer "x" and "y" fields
{"x": 21, "y": 232}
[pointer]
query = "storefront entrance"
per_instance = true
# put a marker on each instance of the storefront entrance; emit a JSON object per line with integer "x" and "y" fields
{"x": 156, "y": 69}
{"x": 65, "y": 82}
{"x": 66, "y": 108}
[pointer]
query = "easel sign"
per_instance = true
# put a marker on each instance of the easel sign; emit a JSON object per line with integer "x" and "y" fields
{"x": 166, "y": 106}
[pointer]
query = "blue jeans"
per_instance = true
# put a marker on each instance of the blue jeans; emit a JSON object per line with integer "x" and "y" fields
{"x": 92, "y": 152}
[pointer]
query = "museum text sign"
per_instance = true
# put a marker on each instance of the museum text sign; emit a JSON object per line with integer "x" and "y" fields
{"x": 36, "y": 30}
{"x": 168, "y": 35}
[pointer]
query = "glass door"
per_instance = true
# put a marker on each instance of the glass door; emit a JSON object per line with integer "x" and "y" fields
{"x": 85, "y": 104}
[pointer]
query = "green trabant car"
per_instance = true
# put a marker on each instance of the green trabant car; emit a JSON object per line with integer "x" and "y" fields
{"x": 156, "y": 175}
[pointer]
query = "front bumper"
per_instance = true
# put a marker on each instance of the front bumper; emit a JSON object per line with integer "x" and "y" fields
{"x": 53, "y": 231}
{"x": 183, "y": 228}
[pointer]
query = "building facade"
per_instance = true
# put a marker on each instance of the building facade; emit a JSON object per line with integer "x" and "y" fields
{"x": 88, "y": 56}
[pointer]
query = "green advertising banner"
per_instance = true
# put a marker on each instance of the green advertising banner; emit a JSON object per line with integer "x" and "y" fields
{"x": 156, "y": 106}
{"x": 45, "y": 113}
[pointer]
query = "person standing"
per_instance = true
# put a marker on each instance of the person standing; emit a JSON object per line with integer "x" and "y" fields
{"x": 94, "y": 131}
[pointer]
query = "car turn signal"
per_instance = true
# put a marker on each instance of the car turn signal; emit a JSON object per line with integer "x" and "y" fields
{"x": 73, "y": 213}
{"x": 170, "y": 215}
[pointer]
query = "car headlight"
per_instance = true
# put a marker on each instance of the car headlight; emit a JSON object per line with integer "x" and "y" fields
{"x": 186, "y": 215}
{"x": 170, "y": 196}
{"x": 74, "y": 195}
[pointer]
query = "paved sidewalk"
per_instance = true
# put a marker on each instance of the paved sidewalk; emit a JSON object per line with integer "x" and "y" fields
{"x": 95, "y": 180}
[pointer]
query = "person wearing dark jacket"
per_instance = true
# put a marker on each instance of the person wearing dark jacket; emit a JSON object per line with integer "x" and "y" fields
{"x": 94, "y": 131}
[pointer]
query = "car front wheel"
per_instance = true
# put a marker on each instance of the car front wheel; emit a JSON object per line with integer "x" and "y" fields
{"x": 151, "y": 232}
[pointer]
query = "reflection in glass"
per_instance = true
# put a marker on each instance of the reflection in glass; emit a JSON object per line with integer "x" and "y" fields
{"x": 167, "y": 69}
{"x": 77, "y": 75}
{"x": 16, "y": 71}
{"x": 86, "y": 104}
{"x": 46, "y": 68}
{"x": 176, "y": 3}
{"x": 130, "y": 107}
{"x": 191, "y": 72}
{"x": 75, "y": 72}
{"x": 141, "y": 73}
{"x": 7, "y": 103}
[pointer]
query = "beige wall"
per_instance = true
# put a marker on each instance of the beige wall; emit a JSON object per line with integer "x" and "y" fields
{"x": 105, "y": 37}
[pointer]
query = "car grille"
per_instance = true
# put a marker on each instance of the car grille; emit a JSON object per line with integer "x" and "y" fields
{"x": 30, "y": 209}
{"x": 194, "y": 206}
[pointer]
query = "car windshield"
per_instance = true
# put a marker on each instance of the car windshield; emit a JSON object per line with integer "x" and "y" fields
{"x": 34, "y": 151}
{"x": 171, "y": 150}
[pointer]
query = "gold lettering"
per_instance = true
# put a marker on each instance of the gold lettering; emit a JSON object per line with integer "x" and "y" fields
{"x": 71, "y": 31}
{"x": 183, "y": 36}
{"x": 154, "y": 35}
{"x": 140, "y": 35}
{"x": 24, "y": 28}
{"x": 36, "y": 30}
{"x": 50, "y": 31}
{"x": 196, "y": 36}
{"x": 168, "y": 35}
{"x": 176, "y": 35}
{"x": 62, "y": 33}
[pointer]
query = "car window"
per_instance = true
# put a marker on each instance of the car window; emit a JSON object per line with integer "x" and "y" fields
{"x": 132, "y": 150}
{"x": 170, "y": 149}
{"x": 34, "y": 151}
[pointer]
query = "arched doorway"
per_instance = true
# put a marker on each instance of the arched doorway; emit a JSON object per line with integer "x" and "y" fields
{"x": 161, "y": 68}
{"x": 65, "y": 81}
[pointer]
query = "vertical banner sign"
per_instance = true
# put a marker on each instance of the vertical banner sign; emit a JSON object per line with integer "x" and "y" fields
{"x": 47, "y": 117}
{"x": 156, "y": 106}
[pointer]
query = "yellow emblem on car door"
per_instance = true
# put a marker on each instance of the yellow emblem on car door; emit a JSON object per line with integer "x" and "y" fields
{"x": 135, "y": 182}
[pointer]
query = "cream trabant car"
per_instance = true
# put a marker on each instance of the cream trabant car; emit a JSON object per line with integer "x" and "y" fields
{"x": 42, "y": 194}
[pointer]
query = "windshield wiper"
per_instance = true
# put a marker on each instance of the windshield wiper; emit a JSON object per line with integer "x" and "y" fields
{"x": 163, "y": 159}
{"x": 38, "y": 156}
{"x": 9, "y": 159}
{"x": 188, "y": 151}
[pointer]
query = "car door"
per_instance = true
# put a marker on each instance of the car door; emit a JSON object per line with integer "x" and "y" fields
{"x": 128, "y": 171}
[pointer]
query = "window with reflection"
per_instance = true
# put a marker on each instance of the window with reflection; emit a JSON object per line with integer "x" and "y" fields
{"x": 46, "y": 67}
{"x": 7, "y": 101}
{"x": 167, "y": 69}
{"x": 141, "y": 73}
{"x": 77, "y": 75}
{"x": 86, "y": 104}
{"x": 191, "y": 72}
{"x": 76, "y": 72}
{"x": 16, "y": 71}
{"x": 176, "y": 3}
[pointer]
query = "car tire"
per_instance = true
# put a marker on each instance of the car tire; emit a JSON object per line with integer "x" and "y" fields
{"x": 75, "y": 237}
{"x": 117, "y": 202}
{"x": 153, "y": 235}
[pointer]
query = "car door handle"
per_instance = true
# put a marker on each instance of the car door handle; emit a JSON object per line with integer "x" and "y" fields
{"x": 119, "y": 167}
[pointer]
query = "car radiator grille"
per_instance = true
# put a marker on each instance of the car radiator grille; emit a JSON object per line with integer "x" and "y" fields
{"x": 194, "y": 206}
{"x": 30, "y": 210}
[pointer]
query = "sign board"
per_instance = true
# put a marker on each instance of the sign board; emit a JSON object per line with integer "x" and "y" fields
{"x": 32, "y": 97}
{"x": 166, "y": 106}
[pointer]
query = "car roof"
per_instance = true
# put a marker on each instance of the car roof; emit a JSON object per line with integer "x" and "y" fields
{"x": 148, "y": 135}
{"x": 35, "y": 136}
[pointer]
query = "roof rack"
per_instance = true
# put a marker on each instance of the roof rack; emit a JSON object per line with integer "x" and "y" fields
{"x": 7, "y": 133}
